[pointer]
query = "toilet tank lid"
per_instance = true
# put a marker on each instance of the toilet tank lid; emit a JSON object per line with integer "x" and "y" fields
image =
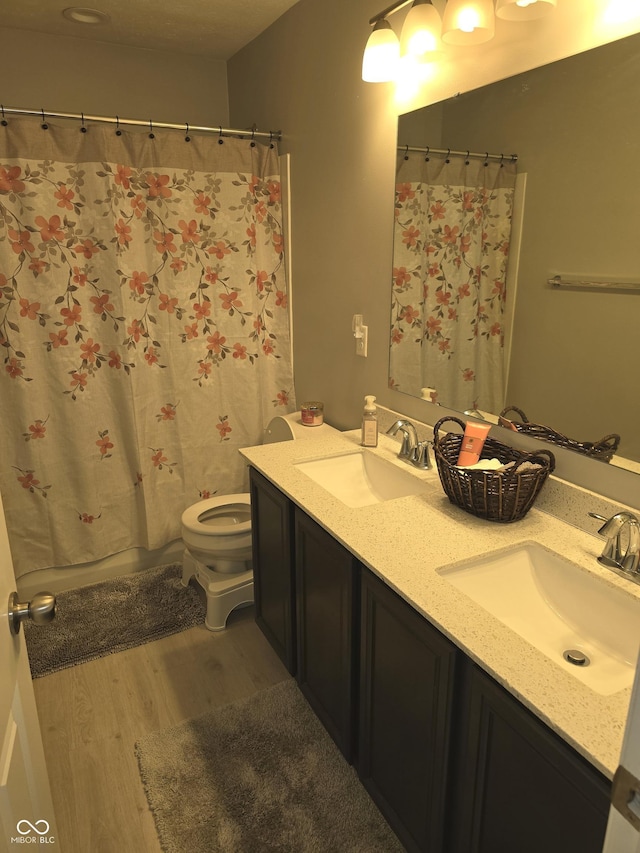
{"x": 278, "y": 429}
{"x": 289, "y": 427}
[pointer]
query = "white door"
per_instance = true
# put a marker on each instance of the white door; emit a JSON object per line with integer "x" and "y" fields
{"x": 623, "y": 829}
{"x": 26, "y": 809}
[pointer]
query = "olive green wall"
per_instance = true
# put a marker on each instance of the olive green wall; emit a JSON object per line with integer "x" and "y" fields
{"x": 64, "y": 74}
{"x": 304, "y": 75}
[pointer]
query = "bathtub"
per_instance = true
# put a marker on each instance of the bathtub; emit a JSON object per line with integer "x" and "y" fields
{"x": 57, "y": 579}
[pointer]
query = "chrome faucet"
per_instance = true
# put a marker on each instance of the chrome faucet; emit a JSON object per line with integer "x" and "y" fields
{"x": 622, "y": 549}
{"x": 411, "y": 450}
{"x": 409, "y": 437}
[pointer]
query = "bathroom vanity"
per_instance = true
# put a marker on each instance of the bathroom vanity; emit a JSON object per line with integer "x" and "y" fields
{"x": 466, "y": 737}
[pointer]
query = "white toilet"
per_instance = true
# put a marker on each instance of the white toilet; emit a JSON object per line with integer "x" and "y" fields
{"x": 217, "y": 536}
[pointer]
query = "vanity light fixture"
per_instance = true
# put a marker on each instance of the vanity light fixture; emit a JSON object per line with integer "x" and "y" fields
{"x": 381, "y": 55}
{"x": 524, "y": 10}
{"x": 464, "y": 22}
{"x": 468, "y": 22}
{"x": 421, "y": 31}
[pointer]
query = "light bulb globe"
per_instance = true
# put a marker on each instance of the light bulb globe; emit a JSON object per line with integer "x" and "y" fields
{"x": 421, "y": 31}
{"x": 524, "y": 10}
{"x": 468, "y": 22}
{"x": 381, "y": 55}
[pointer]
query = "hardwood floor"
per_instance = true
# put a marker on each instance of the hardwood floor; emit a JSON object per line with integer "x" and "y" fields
{"x": 92, "y": 715}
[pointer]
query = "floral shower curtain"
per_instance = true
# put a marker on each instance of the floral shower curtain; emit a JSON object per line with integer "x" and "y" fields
{"x": 451, "y": 245}
{"x": 144, "y": 330}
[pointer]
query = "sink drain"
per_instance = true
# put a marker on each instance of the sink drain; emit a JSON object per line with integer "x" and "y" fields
{"x": 576, "y": 657}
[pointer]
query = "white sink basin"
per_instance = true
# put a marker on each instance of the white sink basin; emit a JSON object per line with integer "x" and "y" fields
{"x": 557, "y": 606}
{"x": 362, "y": 478}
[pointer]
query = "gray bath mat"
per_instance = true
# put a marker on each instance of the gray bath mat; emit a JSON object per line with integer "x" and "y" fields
{"x": 259, "y": 775}
{"x": 112, "y": 616}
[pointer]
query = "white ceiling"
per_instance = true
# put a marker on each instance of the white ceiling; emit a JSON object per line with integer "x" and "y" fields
{"x": 213, "y": 28}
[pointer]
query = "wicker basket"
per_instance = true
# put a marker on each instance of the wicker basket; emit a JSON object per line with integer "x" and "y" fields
{"x": 502, "y": 496}
{"x": 603, "y": 449}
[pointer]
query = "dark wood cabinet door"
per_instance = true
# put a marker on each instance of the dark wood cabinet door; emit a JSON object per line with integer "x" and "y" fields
{"x": 326, "y": 599}
{"x": 407, "y": 671}
{"x": 273, "y": 575}
{"x": 520, "y": 787}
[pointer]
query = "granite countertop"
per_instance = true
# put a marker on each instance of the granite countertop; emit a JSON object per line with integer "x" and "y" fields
{"x": 406, "y": 540}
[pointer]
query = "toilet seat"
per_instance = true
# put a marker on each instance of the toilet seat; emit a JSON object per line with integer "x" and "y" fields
{"x": 217, "y": 532}
{"x": 217, "y": 537}
{"x": 227, "y": 515}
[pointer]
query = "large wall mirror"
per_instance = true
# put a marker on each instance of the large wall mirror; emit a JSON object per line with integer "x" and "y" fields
{"x": 573, "y": 355}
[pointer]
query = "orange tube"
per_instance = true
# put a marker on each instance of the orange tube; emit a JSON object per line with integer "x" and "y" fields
{"x": 472, "y": 442}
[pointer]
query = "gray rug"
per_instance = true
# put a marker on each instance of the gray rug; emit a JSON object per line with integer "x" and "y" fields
{"x": 112, "y": 616}
{"x": 258, "y": 775}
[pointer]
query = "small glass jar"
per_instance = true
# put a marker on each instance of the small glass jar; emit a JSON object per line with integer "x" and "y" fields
{"x": 312, "y": 414}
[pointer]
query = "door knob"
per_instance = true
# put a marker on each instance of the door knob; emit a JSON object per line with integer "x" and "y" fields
{"x": 41, "y": 609}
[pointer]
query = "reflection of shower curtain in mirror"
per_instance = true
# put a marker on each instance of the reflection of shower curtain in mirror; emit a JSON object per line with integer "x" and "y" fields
{"x": 144, "y": 327}
{"x": 451, "y": 242}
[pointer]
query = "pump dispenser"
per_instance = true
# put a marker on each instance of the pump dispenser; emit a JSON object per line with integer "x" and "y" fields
{"x": 369, "y": 423}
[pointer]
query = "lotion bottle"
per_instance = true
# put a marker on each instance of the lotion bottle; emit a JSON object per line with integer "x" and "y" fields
{"x": 472, "y": 442}
{"x": 369, "y": 423}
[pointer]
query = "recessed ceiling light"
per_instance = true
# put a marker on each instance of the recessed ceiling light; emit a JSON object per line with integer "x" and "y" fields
{"x": 80, "y": 15}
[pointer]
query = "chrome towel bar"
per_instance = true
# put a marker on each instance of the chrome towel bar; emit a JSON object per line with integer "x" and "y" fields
{"x": 559, "y": 281}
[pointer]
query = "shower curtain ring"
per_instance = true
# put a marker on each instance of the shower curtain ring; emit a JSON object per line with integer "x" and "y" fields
{"x": 502, "y": 161}
{"x": 187, "y": 138}
{"x": 4, "y": 121}
{"x": 44, "y": 124}
{"x": 270, "y": 139}
{"x": 486, "y": 158}
{"x": 406, "y": 152}
{"x": 426, "y": 159}
{"x": 83, "y": 129}
{"x": 466, "y": 159}
{"x": 151, "y": 133}
{"x": 447, "y": 160}
{"x": 220, "y": 139}
{"x": 118, "y": 131}
{"x": 253, "y": 137}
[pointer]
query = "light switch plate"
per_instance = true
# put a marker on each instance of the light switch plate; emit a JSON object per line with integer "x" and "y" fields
{"x": 362, "y": 341}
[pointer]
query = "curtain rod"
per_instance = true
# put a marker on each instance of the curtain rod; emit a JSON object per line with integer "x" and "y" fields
{"x": 512, "y": 158}
{"x": 272, "y": 135}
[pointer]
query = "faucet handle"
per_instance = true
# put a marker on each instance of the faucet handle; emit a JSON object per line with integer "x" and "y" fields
{"x": 421, "y": 457}
{"x": 598, "y": 517}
